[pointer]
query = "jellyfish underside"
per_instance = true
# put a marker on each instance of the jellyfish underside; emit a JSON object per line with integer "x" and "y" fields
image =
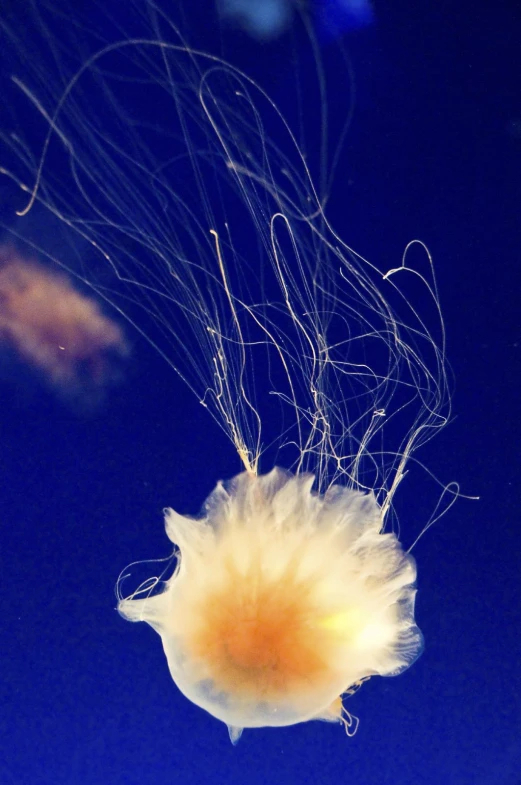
{"x": 281, "y": 601}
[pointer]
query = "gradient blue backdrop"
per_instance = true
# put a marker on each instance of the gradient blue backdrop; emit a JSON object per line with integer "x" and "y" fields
{"x": 86, "y": 699}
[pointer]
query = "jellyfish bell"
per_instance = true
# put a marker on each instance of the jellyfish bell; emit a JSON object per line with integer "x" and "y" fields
{"x": 325, "y": 371}
{"x": 282, "y": 600}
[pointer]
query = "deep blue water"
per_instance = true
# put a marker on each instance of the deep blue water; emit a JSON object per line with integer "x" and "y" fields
{"x": 433, "y": 152}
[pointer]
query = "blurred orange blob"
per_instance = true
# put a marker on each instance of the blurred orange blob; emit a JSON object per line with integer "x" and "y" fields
{"x": 55, "y": 329}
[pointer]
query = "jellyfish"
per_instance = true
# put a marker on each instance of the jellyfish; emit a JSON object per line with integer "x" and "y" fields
{"x": 52, "y": 327}
{"x": 204, "y": 217}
